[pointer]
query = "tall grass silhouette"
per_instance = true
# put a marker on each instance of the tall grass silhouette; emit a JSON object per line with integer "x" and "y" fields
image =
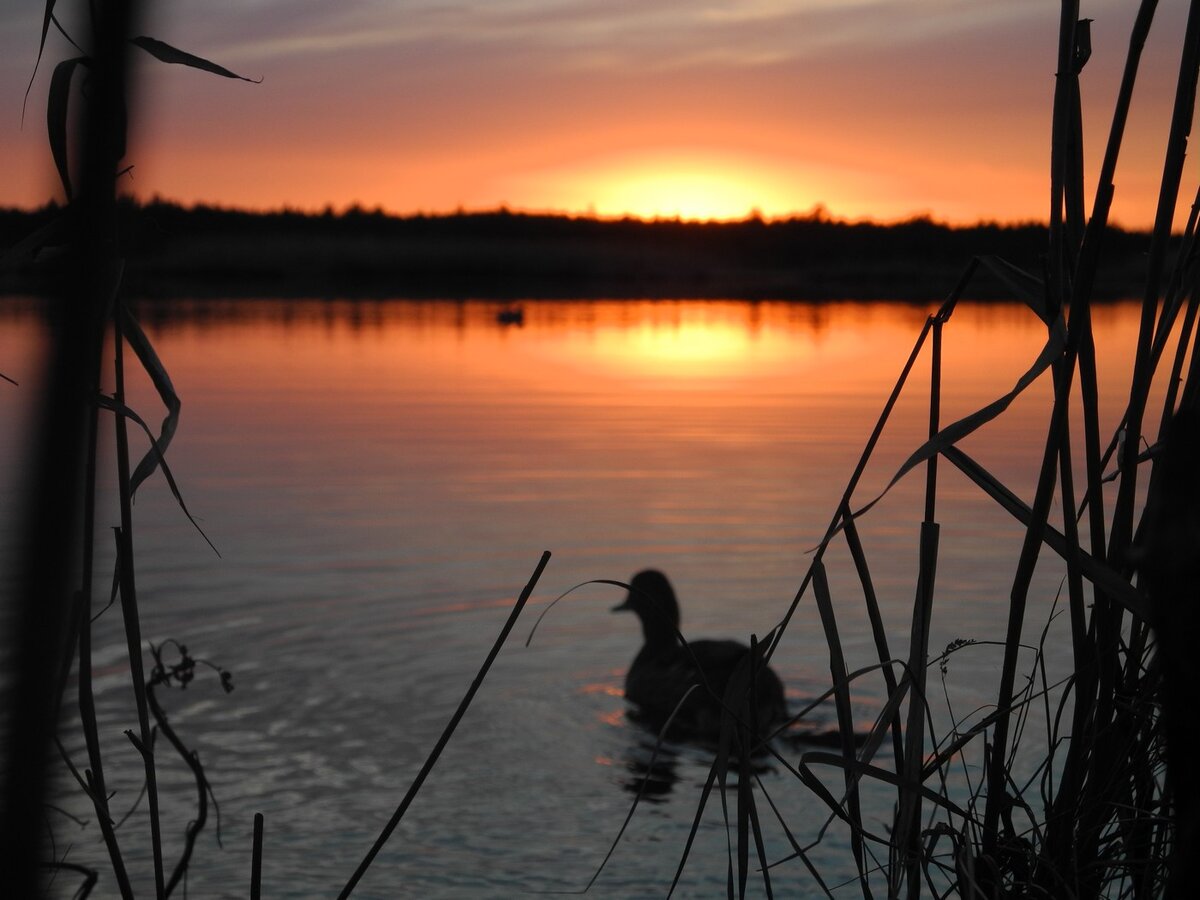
{"x": 1110, "y": 808}
{"x": 87, "y": 118}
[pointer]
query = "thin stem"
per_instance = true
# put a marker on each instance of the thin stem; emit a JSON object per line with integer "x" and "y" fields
{"x": 129, "y": 607}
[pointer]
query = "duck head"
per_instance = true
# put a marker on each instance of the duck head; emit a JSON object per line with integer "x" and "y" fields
{"x": 653, "y": 600}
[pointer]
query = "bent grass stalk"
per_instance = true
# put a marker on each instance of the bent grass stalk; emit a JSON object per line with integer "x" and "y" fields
{"x": 448, "y": 732}
{"x": 1098, "y": 825}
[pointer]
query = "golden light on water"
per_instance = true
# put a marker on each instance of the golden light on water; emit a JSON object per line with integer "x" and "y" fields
{"x": 685, "y": 344}
{"x": 695, "y": 345}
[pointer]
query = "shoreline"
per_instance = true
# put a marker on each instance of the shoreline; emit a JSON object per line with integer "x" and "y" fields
{"x": 171, "y": 251}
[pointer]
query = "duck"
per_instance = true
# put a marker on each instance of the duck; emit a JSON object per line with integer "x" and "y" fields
{"x": 664, "y": 669}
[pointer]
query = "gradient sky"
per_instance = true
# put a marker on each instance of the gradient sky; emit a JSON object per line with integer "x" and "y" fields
{"x": 874, "y": 108}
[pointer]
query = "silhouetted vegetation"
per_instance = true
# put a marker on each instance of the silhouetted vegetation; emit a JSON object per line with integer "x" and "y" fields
{"x": 173, "y": 250}
{"x": 1097, "y": 814}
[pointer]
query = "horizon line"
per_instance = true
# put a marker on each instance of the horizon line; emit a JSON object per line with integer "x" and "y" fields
{"x": 819, "y": 212}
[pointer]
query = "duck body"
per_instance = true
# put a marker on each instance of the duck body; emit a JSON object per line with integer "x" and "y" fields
{"x": 664, "y": 670}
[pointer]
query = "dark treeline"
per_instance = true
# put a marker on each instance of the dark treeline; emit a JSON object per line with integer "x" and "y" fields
{"x": 203, "y": 249}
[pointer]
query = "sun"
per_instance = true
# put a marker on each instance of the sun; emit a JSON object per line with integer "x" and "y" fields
{"x": 691, "y": 191}
{"x": 683, "y": 183}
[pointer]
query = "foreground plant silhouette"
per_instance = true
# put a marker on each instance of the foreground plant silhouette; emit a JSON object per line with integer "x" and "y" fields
{"x": 56, "y": 612}
{"x": 1098, "y": 815}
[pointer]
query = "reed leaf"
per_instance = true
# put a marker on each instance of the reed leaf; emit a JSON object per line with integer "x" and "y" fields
{"x": 1098, "y": 572}
{"x": 144, "y": 350}
{"x": 866, "y": 770}
{"x": 57, "y": 113}
{"x": 705, "y": 792}
{"x": 909, "y": 806}
{"x": 26, "y": 250}
{"x": 956, "y": 431}
{"x": 860, "y": 467}
{"x": 125, "y": 412}
{"x": 256, "y": 859}
{"x": 1024, "y": 287}
{"x": 164, "y": 52}
{"x": 878, "y": 633}
{"x": 662, "y": 734}
{"x": 47, "y": 15}
{"x": 448, "y": 731}
{"x": 845, "y": 716}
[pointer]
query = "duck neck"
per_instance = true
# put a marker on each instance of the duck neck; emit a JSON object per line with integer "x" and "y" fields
{"x": 658, "y": 630}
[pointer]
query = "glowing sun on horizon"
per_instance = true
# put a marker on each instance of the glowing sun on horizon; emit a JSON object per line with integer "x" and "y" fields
{"x": 668, "y": 185}
{"x": 688, "y": 193}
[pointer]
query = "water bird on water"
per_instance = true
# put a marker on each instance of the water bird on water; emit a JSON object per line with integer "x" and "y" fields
{"x": 511, "y": 315}
{"x": 665, "y": 669}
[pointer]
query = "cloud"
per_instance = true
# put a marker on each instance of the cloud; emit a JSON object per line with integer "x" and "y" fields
{"x": 650, "y": 33}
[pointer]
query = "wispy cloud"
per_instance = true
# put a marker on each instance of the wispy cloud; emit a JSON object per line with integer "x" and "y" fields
{"x": 650, "y": 33}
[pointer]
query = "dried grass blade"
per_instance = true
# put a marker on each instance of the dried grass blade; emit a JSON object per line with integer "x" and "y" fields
{"x": 1143, "y": 370}
{"x": 856, "y": 475}
{"x": 448, "y": 732}
{"x": 761, "y": 849}
{"x": 956, "y": 431}
{"x": 797, "y": 850}
{"x": 47, "y": 15}
{"x": 1099, "y": 573}
{"x": 909, "y": 816}
{"x": 662, "y": 734}
{"x": 256, "y": 859}
{"x": 26, "y": 250}
{"x": 837, "y": 671}
{"x": 814, "y": 784}
{"x": 57, "y": 110}
{"x": 570, "y": 590}
{"x": 691, "y": 838}
{"x": 164, "y": 52}
{"x": 878, "y": 632}
{"x": 141, "y": 346}
{"x": 124, "y": 411}
{"x": 1024, "y": 286}
{"x": 861, "y": 770}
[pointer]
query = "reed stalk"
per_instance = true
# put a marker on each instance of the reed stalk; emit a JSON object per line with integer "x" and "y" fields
{"x": 447, "y": 733}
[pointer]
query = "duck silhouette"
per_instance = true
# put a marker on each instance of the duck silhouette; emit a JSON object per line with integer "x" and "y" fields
{"x": 664, "y": 670}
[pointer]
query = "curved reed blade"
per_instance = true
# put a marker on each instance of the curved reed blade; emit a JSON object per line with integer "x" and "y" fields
{"x": 164, "y": 52}
{"x": 57, "y": 113}
{"x": 448, "y": 731}
{"x": 125, "y": 412}
{"x": 845, "y": 716}
{"x": 956, "y": 431}
{"x": 144, "y": 350}
{"x": 47, "y": 15}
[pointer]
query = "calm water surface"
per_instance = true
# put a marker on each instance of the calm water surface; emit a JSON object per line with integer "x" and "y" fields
{"x": 380, "y": 479}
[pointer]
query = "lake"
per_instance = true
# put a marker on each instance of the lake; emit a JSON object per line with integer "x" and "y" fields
{"x": 380, "y": 478}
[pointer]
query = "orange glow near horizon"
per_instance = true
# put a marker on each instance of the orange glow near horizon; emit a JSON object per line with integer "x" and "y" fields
{"x": 688, "y": 194}
{"x": 686, "y": 186}
{"x": 651, "y": 111}
{"x": 688, "y": 183}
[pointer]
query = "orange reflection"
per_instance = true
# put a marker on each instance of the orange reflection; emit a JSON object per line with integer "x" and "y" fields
{"x": 627, "y": 425}
{"x": 608, "y": 689}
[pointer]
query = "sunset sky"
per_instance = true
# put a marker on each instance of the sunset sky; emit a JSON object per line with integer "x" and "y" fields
{"x": 877, "y": 109}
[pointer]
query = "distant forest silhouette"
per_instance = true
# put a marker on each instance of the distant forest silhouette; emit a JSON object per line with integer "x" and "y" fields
{"x": 203, "y": 250}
